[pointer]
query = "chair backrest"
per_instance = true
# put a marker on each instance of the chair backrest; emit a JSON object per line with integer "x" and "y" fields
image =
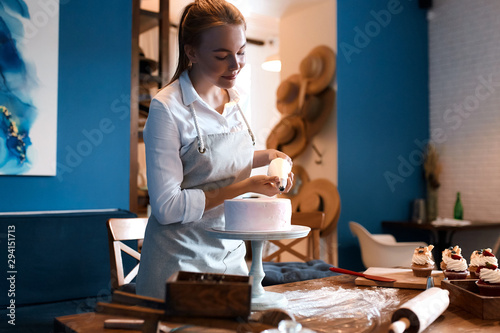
{"x": 119, "y": 230}
{"x": 383, "y": 250}
{"x": 318, "y": 195}
{"x": 363, "y": 235}
{"x": 314, "y": 220}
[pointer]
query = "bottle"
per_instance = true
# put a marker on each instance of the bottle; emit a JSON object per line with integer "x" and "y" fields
{"x": 418, "y": 313}
{"x": 458, "y": 211}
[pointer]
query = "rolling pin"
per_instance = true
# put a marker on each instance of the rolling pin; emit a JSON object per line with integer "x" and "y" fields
{"x": 418, "y": 313}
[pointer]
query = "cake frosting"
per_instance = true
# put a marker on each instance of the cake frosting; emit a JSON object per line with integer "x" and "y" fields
{"x": 258, "y": 214}
{"x": 423, "y": 256}
{"x": 456, "y": 265}
{"x": 489, "y": 280}
{"x": 479, "y": 258}
{"x": 453, "y": 260}
{"x": 422, "y": 263}
{"x": 490, "y": 275}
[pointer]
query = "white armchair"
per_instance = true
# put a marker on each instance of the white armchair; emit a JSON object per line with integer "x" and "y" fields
{"x": 382, "y": 250}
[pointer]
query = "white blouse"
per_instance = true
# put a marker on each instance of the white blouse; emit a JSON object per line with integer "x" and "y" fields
{"x": 168, "y": 133}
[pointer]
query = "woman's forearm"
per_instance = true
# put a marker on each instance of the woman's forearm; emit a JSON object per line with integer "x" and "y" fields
{"x": 264, "y": 157}
{"x": 260, "y": 158}
{"x": 257, "y": 184}
{"x": 216, "y": 197}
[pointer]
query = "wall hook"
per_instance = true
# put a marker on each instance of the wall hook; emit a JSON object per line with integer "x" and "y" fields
{"x": 320, "y": 160}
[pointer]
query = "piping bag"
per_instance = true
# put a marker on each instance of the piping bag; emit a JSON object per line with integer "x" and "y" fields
{"x": 281, "y": 168}
{"x": 418, "y": 313}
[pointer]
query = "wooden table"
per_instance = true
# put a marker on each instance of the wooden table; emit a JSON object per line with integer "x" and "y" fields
{"x": 441, "y": 235}
{"x": 336, "y": 289}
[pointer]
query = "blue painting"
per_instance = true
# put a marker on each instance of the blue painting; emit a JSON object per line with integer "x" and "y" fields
{"x": 29, "y": 33}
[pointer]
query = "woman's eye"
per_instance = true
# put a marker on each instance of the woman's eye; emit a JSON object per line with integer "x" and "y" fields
{"x": 221, "y": 58}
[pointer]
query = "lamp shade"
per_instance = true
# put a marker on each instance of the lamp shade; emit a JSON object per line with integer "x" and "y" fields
{"x": 272, "y": 63}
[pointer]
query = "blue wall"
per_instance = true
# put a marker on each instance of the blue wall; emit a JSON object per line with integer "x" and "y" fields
{"x": 382, "y": 74}
{"x": 93, "y": 127}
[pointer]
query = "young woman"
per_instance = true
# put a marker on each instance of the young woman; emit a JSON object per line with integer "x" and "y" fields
{"x": 199, "y": 152}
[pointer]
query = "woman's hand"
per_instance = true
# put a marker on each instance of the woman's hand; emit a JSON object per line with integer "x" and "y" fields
{"x": 263, "y": 185}
{"x": 268, "y": 185}
{"x": 289, "y": 183}
{"x": 258, "y": 184}
{"x": 264, "y": 157}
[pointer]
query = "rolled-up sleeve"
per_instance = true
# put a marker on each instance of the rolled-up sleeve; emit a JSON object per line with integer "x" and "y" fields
{"x": 169, "y": 203}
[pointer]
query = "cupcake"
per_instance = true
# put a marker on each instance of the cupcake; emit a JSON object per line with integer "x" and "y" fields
{"x": 421, "y": 262}
{"x": 479, "y": 258}
{"x": 454, "y": 266}
{"x": 489, "y": 280}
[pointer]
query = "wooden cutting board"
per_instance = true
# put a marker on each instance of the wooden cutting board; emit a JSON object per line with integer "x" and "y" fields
{"x": 404, "y": 278}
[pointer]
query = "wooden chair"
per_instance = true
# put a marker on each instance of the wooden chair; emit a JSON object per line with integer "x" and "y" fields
{"x": 119, "y": 230}
{"x": 318, "y": 195}
{"x": 314, "y": 220}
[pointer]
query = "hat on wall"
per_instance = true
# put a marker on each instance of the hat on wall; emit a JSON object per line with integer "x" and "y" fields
{"x": 146, "y": 65}
{"x": 319, "y": 195}
{"x": 288, "y": 136}
{"x": 316, "y": 110}
{"x": 146, "y": 68}
{"x": 318, "y": 68}
{"x": 287, "y": 95}
{"x": 300, "y": 178}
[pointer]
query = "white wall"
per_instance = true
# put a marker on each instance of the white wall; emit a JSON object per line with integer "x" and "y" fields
{"x": 464, "y": 53}
{"x": 300, "y": 32}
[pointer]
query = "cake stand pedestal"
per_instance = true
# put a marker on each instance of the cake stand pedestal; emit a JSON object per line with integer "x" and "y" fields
{"x": 262, "y": 300}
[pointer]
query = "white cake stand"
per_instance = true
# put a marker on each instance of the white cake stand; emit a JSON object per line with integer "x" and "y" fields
{"x": 262, "y": 300}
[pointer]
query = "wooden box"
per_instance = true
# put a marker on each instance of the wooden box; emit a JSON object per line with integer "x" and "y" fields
{"x": 465, "y": 294}
{"x": 208, "y": 295}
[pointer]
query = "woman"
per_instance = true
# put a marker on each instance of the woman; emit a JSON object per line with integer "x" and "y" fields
{"x": 199, "y": 152}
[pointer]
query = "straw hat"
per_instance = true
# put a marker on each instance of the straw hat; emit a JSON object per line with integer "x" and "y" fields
{"x": 300, "y": 178}
{"x": 318, "y": 68}
{"x": 287, "y": 95}
{"x": 146, "y": 68}
{"x": 288, "y": 136}
{"x": 146, "y": 65}
{"x": 316, "y": 110}
{"x": 319, "y": 195}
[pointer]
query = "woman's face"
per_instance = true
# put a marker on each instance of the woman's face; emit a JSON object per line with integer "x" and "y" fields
{"x": 220, "y": 55}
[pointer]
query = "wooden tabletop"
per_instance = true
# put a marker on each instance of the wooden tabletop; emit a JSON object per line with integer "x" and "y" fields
{"x": 324, "y": 305}
{"x": 474, "y": 225}
{"x": 441, "y": 235}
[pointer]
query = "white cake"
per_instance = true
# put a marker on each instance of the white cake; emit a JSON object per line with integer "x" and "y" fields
{"x": 258, "y": 214}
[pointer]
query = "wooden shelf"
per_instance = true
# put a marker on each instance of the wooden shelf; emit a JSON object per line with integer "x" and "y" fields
{"x": 142, "y": 21}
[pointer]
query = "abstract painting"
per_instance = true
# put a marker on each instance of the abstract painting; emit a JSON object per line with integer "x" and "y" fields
{"x": 29, "y": 47}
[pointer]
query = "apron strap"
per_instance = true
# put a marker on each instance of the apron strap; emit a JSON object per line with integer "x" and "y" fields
{"x": 246, "y": 122}
{"x": 201, "y": 143}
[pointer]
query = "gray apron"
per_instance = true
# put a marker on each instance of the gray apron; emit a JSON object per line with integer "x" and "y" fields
{"x": 211, "y": 162}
